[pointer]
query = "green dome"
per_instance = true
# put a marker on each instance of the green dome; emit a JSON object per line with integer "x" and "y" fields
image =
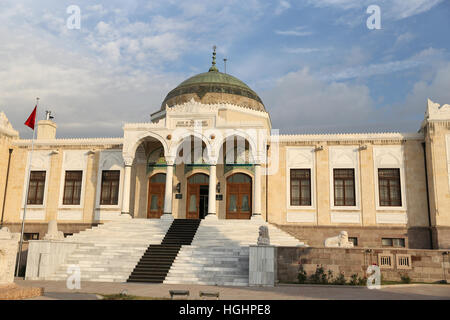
{"x": 215, "y": 77}
{"x": 214, "y": 87}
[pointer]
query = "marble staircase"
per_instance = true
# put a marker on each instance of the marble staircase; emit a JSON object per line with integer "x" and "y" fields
{"x": 158, "y": 259}
{"x": 219, "y": 252}
{"x": 109, "y": 252}
{"x": 216, "y": 253}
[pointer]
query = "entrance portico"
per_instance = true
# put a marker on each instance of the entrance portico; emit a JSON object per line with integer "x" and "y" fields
{"x": 213, "y": 146}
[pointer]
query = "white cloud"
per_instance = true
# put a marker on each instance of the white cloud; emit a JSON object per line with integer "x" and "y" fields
{"x": 425, "y": 56}
{"x": 404, "y": 38}
{"x": 302, "y": 102}
{"x": 301, "y": 50}
{"x": 103, "y": 28}
{"x": 437, "y": 89}
{"x": 391, "y": 9}
{"x": 283, "y": 5}
{"x": 298, "y": 32}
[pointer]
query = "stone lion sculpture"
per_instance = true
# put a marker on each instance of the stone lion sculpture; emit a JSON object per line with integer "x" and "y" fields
{"x": 263, "y": 239}
{"x": 340, "y": 241}
{"x": 53, "y": 233}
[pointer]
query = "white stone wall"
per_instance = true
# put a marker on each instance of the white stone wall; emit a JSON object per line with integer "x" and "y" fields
{"x": 8, "y": 254}
{"x": 262, "y": 266}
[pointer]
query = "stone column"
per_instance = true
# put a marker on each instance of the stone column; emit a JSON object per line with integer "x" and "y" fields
{"x": 126, "y": 190}
{"x": 212, "y": 192}
{"x": 257, "y": 192}
{"x": 168, "y": 193}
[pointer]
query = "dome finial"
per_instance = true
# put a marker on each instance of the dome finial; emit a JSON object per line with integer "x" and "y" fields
{"x": 213, "y": 67}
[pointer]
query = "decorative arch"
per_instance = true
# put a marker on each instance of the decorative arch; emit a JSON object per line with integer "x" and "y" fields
{"x": 158, "y": 177}
{"x": 253, "y": 149}
{"x": 389, "y": 159}
{"x": 239, "y": 170}
{"x": 131, "y": 151}
{"x": 206, "y": 181}
{"x": 181, "y": 137}
{"x": 111, "y": 160}
{"x": 196, "y": 171}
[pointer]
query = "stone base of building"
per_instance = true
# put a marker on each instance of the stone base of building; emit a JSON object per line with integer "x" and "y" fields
{"x": 15, "y": 292}
{"x": 441, "y": 237}
{"x": 42, "y": 228}
{"x": 430, "y": 266}
{"x": 415, "y": 238}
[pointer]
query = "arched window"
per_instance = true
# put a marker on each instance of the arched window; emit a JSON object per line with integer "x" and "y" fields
{"x": 239, "y": 178}
{"x": 199, "y": 178}
{"x": 158, "y": 178}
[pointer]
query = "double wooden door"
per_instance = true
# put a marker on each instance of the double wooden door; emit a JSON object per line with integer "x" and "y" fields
{"x": 197, "y": 206}
{"x": 239, "y": 197}
{"x": 197, "y": 196}
{"x": 156, "y": 192}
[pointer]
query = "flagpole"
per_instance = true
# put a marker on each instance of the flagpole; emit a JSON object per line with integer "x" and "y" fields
{"x": 26, "y": 194}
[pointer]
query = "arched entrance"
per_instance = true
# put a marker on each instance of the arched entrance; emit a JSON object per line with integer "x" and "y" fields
{"x": 239, "y": 196}
{"x": 156, "y": 190}
{"x": 197, "y": 196}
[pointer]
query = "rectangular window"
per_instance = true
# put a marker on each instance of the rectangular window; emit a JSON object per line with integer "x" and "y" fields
{"x": 344, "y": 187}
{"x": 300, "y": 187}
{"x": 72, "y": 188}
{"x": 393, "y": 242}
{"x": 389, "y": 187}
{"x": 36, "y": 187}
{"x": 30, "y": 236}
{"x": 354, "y": 240}
{"x": 109, "y": 194}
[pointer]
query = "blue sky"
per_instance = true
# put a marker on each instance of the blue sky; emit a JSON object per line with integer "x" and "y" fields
{"x": 315, "y": 64}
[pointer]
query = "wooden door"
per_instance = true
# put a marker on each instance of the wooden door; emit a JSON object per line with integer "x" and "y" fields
{"x": 156, "y": 192}
{"x": 193, "y": 201}
{"x": 193, "y": 194}
{"x": 239, "y": 197}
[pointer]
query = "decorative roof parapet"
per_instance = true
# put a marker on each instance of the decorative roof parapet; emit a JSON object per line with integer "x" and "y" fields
{"x": 143, "y": 125}
{"x": 6, "y": 127}
{"x": 437, "y": 112}
{"x": 192, "y": 104}
{"x": 352, "y": 137}
{"x": 70, "y": 142}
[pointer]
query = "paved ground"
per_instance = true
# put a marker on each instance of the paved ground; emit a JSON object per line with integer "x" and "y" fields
{"x": 88, "y": 291}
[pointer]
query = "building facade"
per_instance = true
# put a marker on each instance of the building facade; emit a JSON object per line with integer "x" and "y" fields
{"x": 210, "y": 152}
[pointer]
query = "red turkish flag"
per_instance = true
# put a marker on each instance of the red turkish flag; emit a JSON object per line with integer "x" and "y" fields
{"x": 31, "y": 119}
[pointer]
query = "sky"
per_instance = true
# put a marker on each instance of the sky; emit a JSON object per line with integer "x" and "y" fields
{"x": 315, "y": 63}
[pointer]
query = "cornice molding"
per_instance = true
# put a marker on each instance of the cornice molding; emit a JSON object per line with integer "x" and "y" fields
{"x": 352, "y": 137}
{"x": 70, "y": 142}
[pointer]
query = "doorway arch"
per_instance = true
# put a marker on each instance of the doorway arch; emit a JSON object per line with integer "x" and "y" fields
{"x": 197, "y": 196}
{"x": 156, "y": 192}
{"x": 239, "y": 196}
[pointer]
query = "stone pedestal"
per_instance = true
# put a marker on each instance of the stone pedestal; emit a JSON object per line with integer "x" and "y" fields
{"x": 262, "y": 266}
{"x": 9, "y": 243}
{"x": 44, "y": 257}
